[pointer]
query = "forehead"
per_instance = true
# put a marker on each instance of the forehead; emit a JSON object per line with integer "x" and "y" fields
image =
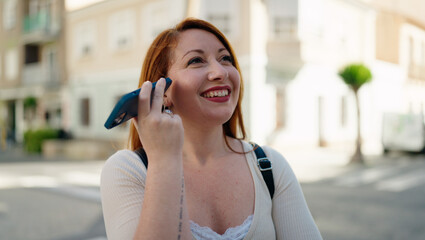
{"x": 197, "y": 39}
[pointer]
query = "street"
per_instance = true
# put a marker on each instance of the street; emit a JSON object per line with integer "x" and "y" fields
{"x": 46, "y": 199}
{"x": 49, "y": 199}
{"x": 383, "y": 202}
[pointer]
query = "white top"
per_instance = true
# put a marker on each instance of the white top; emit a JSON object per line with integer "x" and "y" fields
{"x": 233, "y": 233}
{"x": 285, "y": 217}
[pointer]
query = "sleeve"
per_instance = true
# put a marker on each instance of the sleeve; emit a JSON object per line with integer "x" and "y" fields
{"x": 290, "y": 213}
{"x": 122, "y": 186}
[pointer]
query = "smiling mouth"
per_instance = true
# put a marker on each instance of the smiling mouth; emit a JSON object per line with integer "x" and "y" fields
{"x": 216, "y": 93}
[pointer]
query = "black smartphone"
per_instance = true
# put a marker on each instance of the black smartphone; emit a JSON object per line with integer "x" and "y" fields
{"x": 127, "y": 107}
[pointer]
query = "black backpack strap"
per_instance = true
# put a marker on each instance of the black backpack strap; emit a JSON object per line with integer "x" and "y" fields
{"x": 142, "y": 155}
{"x": 265, "y": 167}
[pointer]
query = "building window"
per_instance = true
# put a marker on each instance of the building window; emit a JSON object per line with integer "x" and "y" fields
{"x": 343, "y": 119}
{"x": 85, "y": 112}
{"x": 280, "y": 108}
{"x": 84, "y": 38}
{"x": 32, "y": 53}
{"x": 121, "y": 30}
{"x": 9, "y": 14}
{"x": 55, "y": 16}
{"x": 221, "y": 21}
{"x": 283, "y": 17}
{"x": 416, "y": 62}
{"x": 156, "y": 17}
{"x": 411, "y": 51}
{"x": 86, "y": 49}
{"x": 11, "y": 64}
{"x": 284, "y": 26}
{"x": 223, "y": 14}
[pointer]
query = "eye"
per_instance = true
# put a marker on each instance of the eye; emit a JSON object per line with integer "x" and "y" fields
{"x": 227, "y": 58}
{"x": 195, "y": 60}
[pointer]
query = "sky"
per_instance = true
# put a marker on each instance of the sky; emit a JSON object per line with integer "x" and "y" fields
{"x": 75, "y": 4}
{"x": 413, "y": 8}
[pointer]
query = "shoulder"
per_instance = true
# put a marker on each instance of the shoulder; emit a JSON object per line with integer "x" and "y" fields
{"x": 282, "y": 171}
{"x": 122, "y": 185}
{"x": 124, "y": 164}
{"x": 275, "y": 157}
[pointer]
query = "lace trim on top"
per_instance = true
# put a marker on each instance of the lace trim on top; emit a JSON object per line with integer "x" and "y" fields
{"x": 233, "y": 233}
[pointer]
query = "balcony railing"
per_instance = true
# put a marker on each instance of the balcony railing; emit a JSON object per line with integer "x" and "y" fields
{"x": 37, "y": 22}
{"x": 39, "y": 26}
{"x": 37, "y": 74}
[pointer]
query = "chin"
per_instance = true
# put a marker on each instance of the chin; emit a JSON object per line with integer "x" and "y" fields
{"x": 220, "y": 118}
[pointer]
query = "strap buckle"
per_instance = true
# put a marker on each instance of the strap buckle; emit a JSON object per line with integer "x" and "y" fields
{"x": 264, "y": 164}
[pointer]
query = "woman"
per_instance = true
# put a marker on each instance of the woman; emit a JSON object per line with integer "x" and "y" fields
{"x": 202, "y": 181}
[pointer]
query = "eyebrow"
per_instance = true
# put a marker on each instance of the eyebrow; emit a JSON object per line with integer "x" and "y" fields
{"x": 202, "y": 51}
{"x": 194, "y": 50}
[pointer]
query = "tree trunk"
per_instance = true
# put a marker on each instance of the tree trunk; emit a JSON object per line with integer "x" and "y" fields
{"x": 358, "y": 156}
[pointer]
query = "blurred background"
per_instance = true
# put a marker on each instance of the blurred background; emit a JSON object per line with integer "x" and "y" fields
{"x": 356, "y": 147}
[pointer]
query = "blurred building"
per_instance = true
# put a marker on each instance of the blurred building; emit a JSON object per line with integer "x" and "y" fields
{"x": 290, "y": 52}
{"x": 310, "y": 41}
{"x": 400, "y": 45}
{"x": 400, "y": 64}
{"x": 319, "y": 37}
{"x": 32, "y": 65}
{"x": 107, "y": 42}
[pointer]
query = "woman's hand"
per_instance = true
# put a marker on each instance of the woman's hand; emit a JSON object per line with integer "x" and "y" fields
{"x": 162, "y": 136}
{"x": 161, "y": 133}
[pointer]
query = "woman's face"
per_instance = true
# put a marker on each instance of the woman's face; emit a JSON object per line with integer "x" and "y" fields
{"x": 205, "y": 85}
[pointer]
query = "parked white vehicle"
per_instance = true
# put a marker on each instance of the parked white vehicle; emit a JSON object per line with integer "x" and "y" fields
{"x": 403, "y": 132}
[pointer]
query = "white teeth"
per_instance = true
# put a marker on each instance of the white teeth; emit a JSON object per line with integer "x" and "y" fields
{"x": 218, "y": 93}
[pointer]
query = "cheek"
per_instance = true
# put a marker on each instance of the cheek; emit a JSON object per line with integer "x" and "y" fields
{"x": 236, "y": 81}
{"x": 183, "y": 92}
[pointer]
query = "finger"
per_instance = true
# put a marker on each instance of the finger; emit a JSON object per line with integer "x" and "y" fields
{"x": 144, "y": 99}
{"x": 158, "y": 100}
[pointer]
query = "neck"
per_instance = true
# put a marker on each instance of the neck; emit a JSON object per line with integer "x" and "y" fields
{"x": 203, "y": 144}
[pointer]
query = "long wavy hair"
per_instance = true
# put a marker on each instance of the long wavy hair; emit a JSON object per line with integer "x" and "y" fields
{"x": 157, "y": 63}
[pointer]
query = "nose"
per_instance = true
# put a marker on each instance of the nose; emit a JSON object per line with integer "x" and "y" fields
{"x": 217, "y": 71}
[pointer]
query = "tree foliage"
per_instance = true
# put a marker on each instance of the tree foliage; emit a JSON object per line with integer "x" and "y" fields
{"x": 355, "y": 75}
{"x": 30, "y": 102}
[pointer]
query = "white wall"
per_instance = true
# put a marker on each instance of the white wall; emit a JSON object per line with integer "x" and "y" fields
{"x": 103, "y": 90}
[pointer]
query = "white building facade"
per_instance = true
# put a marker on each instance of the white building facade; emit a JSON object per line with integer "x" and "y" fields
{"x": 290, "y": 52}
{"x": 106, "y": 45}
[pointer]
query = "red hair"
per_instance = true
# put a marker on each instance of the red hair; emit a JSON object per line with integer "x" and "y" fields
{"x": 157, "y": 63}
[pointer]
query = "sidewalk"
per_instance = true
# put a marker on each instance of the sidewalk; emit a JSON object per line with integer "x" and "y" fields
{"x": 19, "y": 169}
{"x": 17, "y": 154}
{"x": 312, "y": 164}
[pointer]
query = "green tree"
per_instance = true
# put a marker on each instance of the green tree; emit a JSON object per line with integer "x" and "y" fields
{"x": 355, "y": 75}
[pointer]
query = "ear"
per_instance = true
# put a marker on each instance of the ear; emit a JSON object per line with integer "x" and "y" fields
{"x": 167, "y": 101}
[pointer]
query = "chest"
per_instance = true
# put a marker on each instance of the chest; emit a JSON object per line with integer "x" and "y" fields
{"x": 220, "y": 197}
